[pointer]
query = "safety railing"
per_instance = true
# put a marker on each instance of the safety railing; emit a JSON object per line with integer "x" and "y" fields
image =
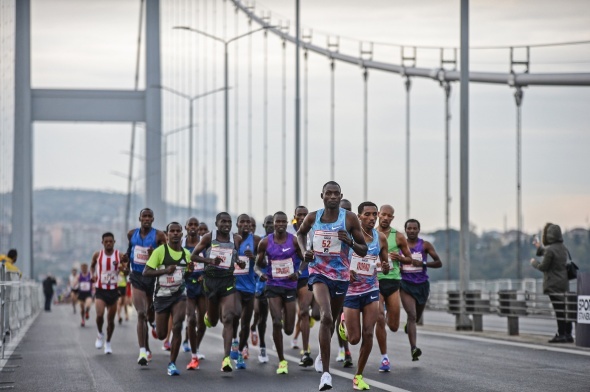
{"x": 506, "y": 298}
{"x": 19, "y": 300}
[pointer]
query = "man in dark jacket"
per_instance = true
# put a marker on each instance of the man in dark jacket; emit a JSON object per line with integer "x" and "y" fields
{"x": 555, "y": 281}
{"x": 48, "y": 284}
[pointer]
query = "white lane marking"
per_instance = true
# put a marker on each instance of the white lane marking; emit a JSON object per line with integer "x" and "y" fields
{"x": 507, "y": 343}
{"x": 335, "y": 372}
{"x": 13, "y": 344}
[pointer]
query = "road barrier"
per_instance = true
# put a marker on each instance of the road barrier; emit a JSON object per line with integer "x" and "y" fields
{"x": 19, "y": 300}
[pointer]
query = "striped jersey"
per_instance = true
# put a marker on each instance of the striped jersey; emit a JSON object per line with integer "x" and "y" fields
{"x": 107, "y": 270}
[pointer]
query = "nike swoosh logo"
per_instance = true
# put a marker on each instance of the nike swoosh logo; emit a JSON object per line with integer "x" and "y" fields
{"x": 229, "y": 288}
{"x": 289, "y": 296}
{"x": 373, "y": 297}
{"x": 373, "y": 248}
{"x": 335, "y": 228}
{"x": 337, "y": 293}
{"x": 286, "y": 249}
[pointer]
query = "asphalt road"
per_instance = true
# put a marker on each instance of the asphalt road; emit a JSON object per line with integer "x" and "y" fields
{"x": 56, "y": 354}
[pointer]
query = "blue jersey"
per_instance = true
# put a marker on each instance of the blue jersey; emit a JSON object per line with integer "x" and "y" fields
{"x": 331, "y": 256}
{"x": 246, "y": 278}
{"x": 198, "y": 269}
{"x": 140, "y": 249}
{"x": 365, "y": 268}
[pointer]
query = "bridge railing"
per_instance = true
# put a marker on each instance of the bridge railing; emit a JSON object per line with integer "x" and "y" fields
{"x": 504, "y": 297}
{"x": 19, "y": 300}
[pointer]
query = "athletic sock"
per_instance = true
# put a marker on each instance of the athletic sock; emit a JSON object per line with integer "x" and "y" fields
{"x": 142, "y": 351}
{"x": 384, "y": 356}
{"x": 193, "y": 356}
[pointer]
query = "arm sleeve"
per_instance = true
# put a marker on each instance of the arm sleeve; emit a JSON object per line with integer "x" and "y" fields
{"x": 545, "y": 265}
{"x": 540, "y": 251}
{"x": 156, "y": 258}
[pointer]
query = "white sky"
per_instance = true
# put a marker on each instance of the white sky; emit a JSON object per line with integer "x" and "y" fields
{"x": 91, "y": 44}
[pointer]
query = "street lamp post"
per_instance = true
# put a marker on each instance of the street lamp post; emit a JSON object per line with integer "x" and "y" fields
{"x": 226, "y": 95}
{"x": 190, "y": 100}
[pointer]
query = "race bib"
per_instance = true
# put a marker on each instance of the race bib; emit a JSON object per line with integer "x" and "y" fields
{"x": 282, "y": 268}
{"x": 173, "y": 280}
{"x": 240, "y": 271}
{"x": 326, "y": 243}
{"x": 140, "y": 254}
{"x": 84, "y": 286}
{"x": 109, "y": 277}
{"x": 198, "y": 267}
{"x": 224, "y": 253}
{"x": 363, "y": 265}
{"x": 409, "y": 267}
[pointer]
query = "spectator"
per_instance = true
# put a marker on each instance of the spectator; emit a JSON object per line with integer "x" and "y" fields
{"x": 48, "y": 284}
{"x": 10, "y": 259}
{"x": 555, "y": 281}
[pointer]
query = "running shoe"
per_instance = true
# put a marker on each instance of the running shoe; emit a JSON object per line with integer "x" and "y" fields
{"x": 166, "y": 346}
{"x": 200, "y": 356}
{"x": 193, "y": 364}
{"x": 254, "y": 338}
{"x": 347, "y": 360}
{"x": 149, "y": 355}
{"x": 82, "y": 323}
{"x": 311, "y": 322}
{"x": 359, "y": 384}
{"x": 340, "y": 357}
{"x": 240, "y": 363}
{"x": 226, "y": 365}
{"x": 142, "y": 360}
{"x": 99, "y": 340}
{"x": 306, "y": 360}
{"x": 120, "y": 320}
{"x": 318, "y": 364}
{"x": 294, "y": 344}
{"x": 262, "y": 357}
{"x": 206, "y": 321}
{"x": 87, "y": 314}
{"x": 154, "y": 333}
{"x": 326, "y": 382}
{"x": 342, "y": 329}
{"x": 283, "y": 367}
{"x": 416, "y": 352}
{"x": 406, "y": 328}
{"x": 107, "y": 348}
{"x": 172, "y": 370}
{"x": 245, "y": 353}
{"x": 234, "y": 353}
{"x": 185, "y": 347}
{"x": 384, "y": 365}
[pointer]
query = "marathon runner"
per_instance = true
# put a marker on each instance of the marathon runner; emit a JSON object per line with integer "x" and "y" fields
{"x": 334, "y": 231}
{"x": 74, "y": 287}
{"x": 105, "y": 267}
{"x": 415, "y": 287}
{"x": 84, "y": 293}
{"x": 142, "y": 241}
{"x": 219, "y": 283}
{"x": 169, "y": 265}
{"x": 122, "y": 303}
{"x": 389, "y": 283}
{"x": 281, "y": 273}
{"x": 363, "y": 291}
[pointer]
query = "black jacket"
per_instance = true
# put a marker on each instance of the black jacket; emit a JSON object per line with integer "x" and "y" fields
{"x": 554, "y": 260}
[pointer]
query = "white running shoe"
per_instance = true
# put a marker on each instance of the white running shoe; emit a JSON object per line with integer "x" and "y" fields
{"x": 99, "y": 339}
{"x": 340, "y": 357}
{"x": 326, "y": 382}
{"x": 319, "y": 367}
{"x": 200, "y": 356}
{"x": 107, "y": 348}
{"x": 294, "y": 344}
{"x": 263, "y": 358}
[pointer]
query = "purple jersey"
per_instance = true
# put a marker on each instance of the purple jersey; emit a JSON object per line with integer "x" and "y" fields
{"x": 281, "y": 262}
{"x": 85, "y": 282}
{"x": 416, "y": 274}
{"x": 365, "y": 268}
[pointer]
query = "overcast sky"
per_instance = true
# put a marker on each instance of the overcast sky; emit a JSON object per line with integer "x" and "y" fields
{"x": 92, "y": 44}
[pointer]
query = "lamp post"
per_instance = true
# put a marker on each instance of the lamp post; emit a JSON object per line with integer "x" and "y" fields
{"x": 226, "y": 95}
{"x": 190, "y": 100}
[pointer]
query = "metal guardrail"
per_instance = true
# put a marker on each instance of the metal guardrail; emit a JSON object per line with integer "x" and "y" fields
{"x": 19, "y": 300}
{"x": 506, "y": 298}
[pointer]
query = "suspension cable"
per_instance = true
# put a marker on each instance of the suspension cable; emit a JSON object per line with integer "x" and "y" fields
{"x": 305, "y": 127}
{"x": 447, "y": 89}
{"x": 284, "y": 127}
{"x": 265, "y": 123}
{"x": 332, "y": 120}
{"x": 408, "y": 85}
{"x": 250, "y": 117}
{"x": 365, "y": 134}
{"x": 236, "y": 113}
{"x": 214, "y": 109}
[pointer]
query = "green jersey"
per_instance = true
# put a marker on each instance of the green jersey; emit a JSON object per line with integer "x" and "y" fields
{"x": 394, "y": 271}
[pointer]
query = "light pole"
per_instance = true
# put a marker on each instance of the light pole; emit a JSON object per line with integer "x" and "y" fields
{"x": 226, "y": 95}
{"x": 190, "y": 100}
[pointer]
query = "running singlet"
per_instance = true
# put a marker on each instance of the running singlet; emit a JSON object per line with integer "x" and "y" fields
{"x": 140, "y": 247}
{"x": 331, "y": 255}
{"x": 416, "y": 274}
{"x": 393, "y": 264}
{"x": 246, "y": 278}
{"x": 107, "y": 271}
{"x": 198, "y": 268}
{"x": 74, "y": 282}
{"x": 122, "y": 280}
{"x": 161, "y": 258}
{"x": 85, "y": 282}
{"x": 225, "y": 250}
{"x": 281, "y": 262}
{"x": 365, "y": 268}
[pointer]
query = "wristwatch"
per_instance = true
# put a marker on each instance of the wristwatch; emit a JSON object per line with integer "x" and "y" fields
{"x": 424, "y": 263}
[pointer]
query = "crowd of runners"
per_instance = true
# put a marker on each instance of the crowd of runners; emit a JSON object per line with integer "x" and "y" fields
{"x": 345, "y": 271}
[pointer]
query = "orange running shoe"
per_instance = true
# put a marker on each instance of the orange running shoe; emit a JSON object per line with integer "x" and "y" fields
{"x": 193, "y": 365}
